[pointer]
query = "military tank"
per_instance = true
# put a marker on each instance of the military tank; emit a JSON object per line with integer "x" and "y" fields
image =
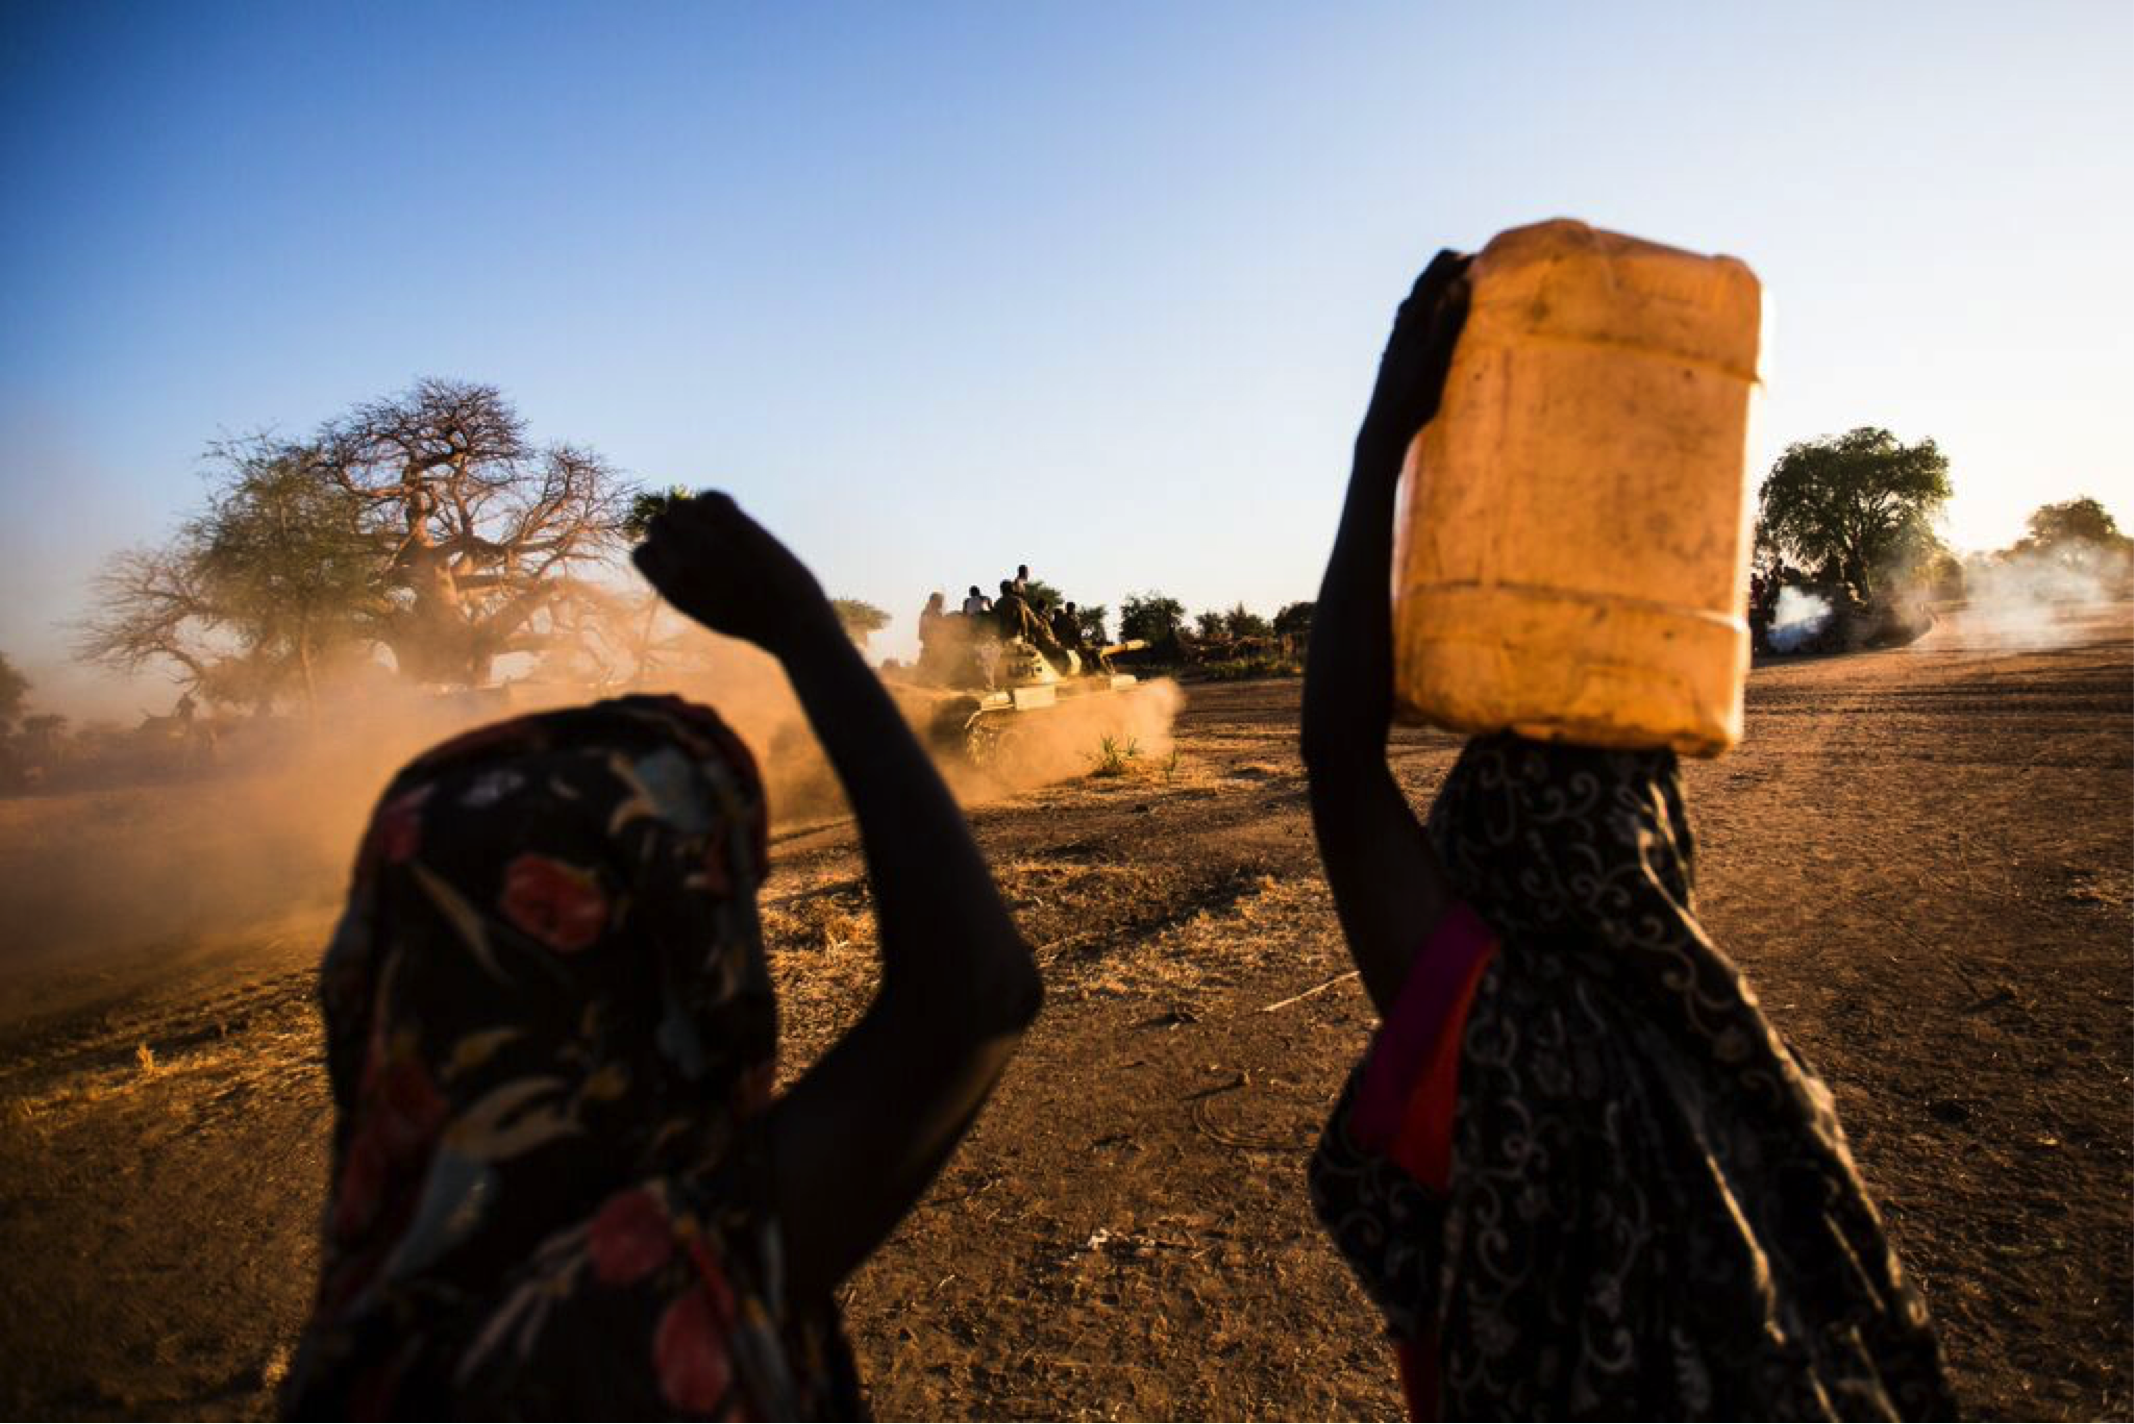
{"x": 982, "y": 719}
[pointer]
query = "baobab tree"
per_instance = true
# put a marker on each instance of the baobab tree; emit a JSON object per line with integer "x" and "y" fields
{"x": 486, "y": 535}
{"x": 426, "y": 524}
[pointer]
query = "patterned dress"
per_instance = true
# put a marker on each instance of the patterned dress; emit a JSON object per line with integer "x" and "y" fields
{"x": 1645, "y": 1207}
{"x": 551, "y": 1037}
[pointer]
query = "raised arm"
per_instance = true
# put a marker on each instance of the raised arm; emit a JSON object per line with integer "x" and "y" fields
{"x": 856, "y": 1141}
{"x": 1387, "y": 886}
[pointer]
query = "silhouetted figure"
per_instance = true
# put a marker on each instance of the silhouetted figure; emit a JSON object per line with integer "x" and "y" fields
{"x": 562, "y": 1184}
{"x": 933, "y": 630}
{"x": 1067, "y": 628}
{"x": 977, "y": 604}
{"x": 1578, "y": 1171}
{"x": 1018, "y": 619}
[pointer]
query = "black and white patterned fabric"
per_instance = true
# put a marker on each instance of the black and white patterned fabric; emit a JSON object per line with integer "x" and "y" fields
{"x": 1652, "y": 1211}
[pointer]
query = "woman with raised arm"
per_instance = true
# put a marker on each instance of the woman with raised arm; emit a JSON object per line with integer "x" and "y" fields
{"x": 1577, "y": 1170}
{"x": 562, "y": 1184}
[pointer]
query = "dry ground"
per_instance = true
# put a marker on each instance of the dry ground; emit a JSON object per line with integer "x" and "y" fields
{"x": 1922, "y": 858}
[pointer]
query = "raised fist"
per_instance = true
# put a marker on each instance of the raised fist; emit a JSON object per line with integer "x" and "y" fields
{"x": 731, "y": 574}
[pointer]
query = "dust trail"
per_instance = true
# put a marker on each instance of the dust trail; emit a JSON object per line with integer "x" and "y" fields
{"x": 1079, "y": 737}
{"x": 2037, "y": 600}
{"x": 269, "y": 830}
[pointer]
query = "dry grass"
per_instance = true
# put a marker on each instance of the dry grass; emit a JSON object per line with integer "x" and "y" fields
{"x": 1115, "y": 756}
{"x": 1126, "y": 1232}
{"x": 1273, "y": 921}
{"x": 834, "y": 917}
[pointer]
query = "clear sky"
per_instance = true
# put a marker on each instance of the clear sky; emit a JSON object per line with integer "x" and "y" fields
{"x": 937, "y": 290}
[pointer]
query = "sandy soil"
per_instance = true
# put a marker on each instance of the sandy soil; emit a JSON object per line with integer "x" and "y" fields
{"x": 1922, "y": 858}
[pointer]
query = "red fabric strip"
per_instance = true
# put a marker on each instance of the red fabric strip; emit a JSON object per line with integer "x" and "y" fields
{"x": 1438, "y": 986}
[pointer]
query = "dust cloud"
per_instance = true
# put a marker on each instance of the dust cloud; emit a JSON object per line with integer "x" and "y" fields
{"x": 267, "y": 833}
{"x": 1105, "y": 735}
{"x": 2036, "y": 600}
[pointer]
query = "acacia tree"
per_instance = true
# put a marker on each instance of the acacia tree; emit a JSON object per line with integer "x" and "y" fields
{"x": 1150, "y": 616}
{"x": 282, "y": 555}
{"x": 1242, "y": 622}
{"x": 153, "y": 604}
{"x": 1294, "y": 620}
{"x": 859, "y": 619}
{"x": 1853, "y": 506}
{"x": 2072, "y": 528}
{"x": 253, "y": 593}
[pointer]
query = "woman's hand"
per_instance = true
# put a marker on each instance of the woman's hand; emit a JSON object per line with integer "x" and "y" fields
{"x": 731, "y": 574}
{"x": 1411, "y": 373}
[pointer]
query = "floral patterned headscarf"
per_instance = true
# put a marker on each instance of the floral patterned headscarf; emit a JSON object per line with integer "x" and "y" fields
{"x": 551, "y": 1036}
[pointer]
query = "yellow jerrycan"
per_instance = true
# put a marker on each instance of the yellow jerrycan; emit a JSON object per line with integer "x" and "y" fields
{"x": 1571, "y": 559}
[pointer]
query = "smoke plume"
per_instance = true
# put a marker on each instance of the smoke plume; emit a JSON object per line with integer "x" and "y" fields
{"x": 1799, "y": 616}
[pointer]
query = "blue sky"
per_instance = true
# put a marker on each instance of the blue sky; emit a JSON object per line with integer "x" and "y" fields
{"x": 936, "y": 290}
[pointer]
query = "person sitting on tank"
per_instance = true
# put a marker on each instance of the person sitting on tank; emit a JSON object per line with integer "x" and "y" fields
{"x": 1067, "y": 628}
{"x": 934, "y": 634}
{"x": 1021, "y": 581}
{"x": 563, "y": 1184}
{"x": 1011, "y": 611}
{"x": 977, "y": 604}
{"x": 1018, "y": 620}
{"x": 1050, "y": 617}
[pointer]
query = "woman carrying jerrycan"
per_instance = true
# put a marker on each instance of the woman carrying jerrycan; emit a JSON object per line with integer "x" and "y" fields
{"x": 1578, "y": 1171}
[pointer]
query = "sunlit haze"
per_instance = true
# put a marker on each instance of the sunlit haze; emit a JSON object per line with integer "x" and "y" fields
{"x": 1095, "y": 288}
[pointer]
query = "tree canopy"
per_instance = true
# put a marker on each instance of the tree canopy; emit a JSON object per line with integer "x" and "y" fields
{"x": 1150, "y": 616}
{"x": 1242, "y": 622}
{"x": 1294, "y": 620}
{"x": 250, "y": 594}
{"x": 1855, "y": 506}
{"x": 860, "y": 620}
{"x": 2083, "y": 521}
{"x": 283, "y": 556}
{"x": 427, "y": 524}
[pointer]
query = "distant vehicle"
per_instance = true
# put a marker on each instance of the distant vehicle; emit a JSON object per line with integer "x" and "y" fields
{"x": 978, "y": 716}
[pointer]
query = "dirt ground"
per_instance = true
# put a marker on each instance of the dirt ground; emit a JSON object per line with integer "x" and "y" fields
{"x": 1922, "y": 858}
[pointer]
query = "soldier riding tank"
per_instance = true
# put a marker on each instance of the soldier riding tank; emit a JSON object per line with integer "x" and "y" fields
{"x": 988, "y": 684}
